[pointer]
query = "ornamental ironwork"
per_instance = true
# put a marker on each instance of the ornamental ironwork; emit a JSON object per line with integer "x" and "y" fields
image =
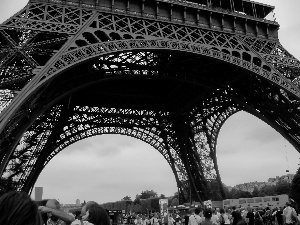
{"x": 167, "y": 72}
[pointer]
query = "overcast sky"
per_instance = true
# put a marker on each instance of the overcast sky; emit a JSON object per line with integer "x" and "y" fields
{"x": 109, "y": 167}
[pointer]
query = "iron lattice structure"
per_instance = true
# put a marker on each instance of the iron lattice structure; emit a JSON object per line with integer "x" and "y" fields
{"x": 167, "y": 72}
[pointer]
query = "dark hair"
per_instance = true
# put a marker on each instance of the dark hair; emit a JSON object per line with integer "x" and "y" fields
{"x": 91, "y": 204}
{"x": 257, "y": 215}
{"x": 197, "y": 211}
{"x": 207, "y": 213}
{"x": 98, "y": 215}
{"x": 17, "y": 208}
{"x": 222, "y": 210}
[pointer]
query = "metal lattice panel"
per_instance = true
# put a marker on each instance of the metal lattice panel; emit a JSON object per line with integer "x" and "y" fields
{"x": 170, "y": 78}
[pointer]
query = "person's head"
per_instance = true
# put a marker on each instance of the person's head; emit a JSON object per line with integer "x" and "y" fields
{"x": 98, "y": 216}
{"x": 197, "y": 211}
{"x": 17, "y": 208}
{"x": 87, "y": 206}
{"x": 207, "y": 213}
{"x": 233, "y": 207}
{"x": 222, "y": 211}
{"x": 191, "y": 211}
{"x": 53, "y": 204}
{"x": 256, "y": 215}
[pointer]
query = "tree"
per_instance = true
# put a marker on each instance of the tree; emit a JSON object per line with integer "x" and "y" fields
{"x": 255, "y": 192}
{"x": 137, "y": 199}
{"x": 282, "y": 187}
{"x": 126, "y": 198}
{"x": 245, "y": 194}
{"x": 155, "y": 204}
{"x": 145, "y": 205}
{"x": 162, "y": 196}
{"x": 295, "y": 188}
{"x": 148, "y": 194}
{"x": 234, "y": 193}
{"x": 267, "y": 190}
{"x": 174, "y": 202}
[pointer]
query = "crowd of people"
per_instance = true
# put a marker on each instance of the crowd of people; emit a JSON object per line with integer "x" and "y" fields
{"x": 228, "y": 216}
{"x": 17, "y": 208}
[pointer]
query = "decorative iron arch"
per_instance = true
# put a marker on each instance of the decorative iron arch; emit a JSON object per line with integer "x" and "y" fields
{"x": 243, "y": 67}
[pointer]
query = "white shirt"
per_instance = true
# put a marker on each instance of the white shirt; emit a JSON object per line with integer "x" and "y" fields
{"x": 287, "y": 212}
{"x": 195, "y": 219}
{"x": 214, "y": 219}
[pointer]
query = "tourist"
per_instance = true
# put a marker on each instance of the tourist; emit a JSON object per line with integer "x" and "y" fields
{"x": 171, "y": 220}
{"x": 93, "y": 214}
{"x": 187, "y": 217}
{"x": 154, "y": 219}
{"x": 207, "y": 217}
{"x": 288, "y": 214}
{"x": 239, "y": 219}
{"x": 195, "y": 219}
{"x": 278, "y": 215}
{"x": 224, "y": 217}
{"x": 250, "y": 216}
{"x": 234, "y": 215}
{"x": 138, "y": 220}
{"x": 214, "y": 217}
{"x": 146, "y": 220}
{"x": 55, "y": 215}
{"x": 257, "y": 219}
{"x": 17, "y": 208}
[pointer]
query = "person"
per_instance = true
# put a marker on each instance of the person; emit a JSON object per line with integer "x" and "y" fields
{"x": 154, "y": 219}
{"x": 93, "y": 214}
{"x": 186, "y": 218}
{"x": 250, "y": 216}
{"x": 268, "y": 216}
{"x": 98, "y": 216}
{"x": 257, "y": 219}
{"x": 17, "y": 208}
{"x": 239, "y": 219}
{"x": 54, "y": 213}
{"x": 224, "y": 217}
{"x": 171, "y": 220}
{"x": 278, "y": 216}
{"x": 207, "y": 217}
{"x": 195, "y": 219}
{"x": 214, "y": 217}
{"x": 177, "y": 220}
{"x": 288, "y": 214}
{"x": 145, "y": 219}
{"x": 234, "y": 214}
{"x": 138, "y": 220}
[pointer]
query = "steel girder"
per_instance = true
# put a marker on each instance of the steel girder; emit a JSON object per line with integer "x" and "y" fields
{"x": 47, "y": 47}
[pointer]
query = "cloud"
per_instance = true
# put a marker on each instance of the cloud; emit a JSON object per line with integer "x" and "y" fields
{"x": 263, "y": 135}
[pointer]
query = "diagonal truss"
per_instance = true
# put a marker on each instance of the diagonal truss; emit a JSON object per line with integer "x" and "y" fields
{"x": 211, "y": 75}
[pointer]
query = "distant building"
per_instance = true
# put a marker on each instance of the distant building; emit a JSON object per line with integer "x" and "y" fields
{"x": 38, "y": 193}
{"x": 78, "y": 202}
{"x": 249, "y": 187}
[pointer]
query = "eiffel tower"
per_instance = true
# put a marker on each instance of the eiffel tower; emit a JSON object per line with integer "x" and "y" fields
{"x": 167, "y": 72}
